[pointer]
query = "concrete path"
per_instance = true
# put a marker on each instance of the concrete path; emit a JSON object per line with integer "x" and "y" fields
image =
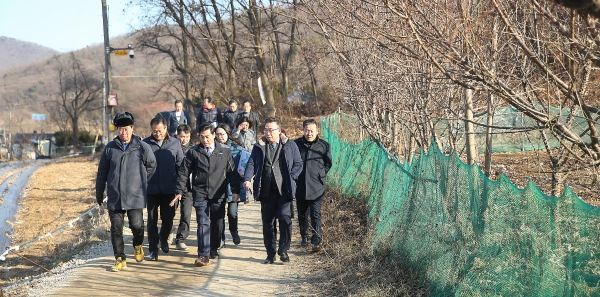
{"x": 238, "y": 272}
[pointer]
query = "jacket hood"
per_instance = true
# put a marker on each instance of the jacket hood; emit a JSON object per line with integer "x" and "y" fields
{"x": 263, "y": 140}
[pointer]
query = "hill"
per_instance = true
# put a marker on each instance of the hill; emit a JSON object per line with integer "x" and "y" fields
{"x": 27, "y": 88}
{"x": 15, "y": 52}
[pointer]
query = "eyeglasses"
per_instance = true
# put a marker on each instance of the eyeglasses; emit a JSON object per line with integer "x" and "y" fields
{"x": 270, "y": 130}
{"x": 156, "y": 132}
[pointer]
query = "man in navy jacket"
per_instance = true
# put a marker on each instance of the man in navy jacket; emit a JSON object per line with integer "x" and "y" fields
{"x": 161, "y": 187}
{"x": 275, "y": 164}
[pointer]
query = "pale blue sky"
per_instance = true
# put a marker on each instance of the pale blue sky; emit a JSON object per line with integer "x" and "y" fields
{"x": 63, "y": 25}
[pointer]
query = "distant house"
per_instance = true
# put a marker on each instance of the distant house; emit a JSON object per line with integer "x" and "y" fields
{"x": 33, "y": 145}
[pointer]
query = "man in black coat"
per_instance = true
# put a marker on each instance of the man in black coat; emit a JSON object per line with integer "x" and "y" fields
{"x": 208, "y": 114}
{"x": 125, "y": 166}
{"x": 185, "y": 207}
{"x": 174, "y": 118}
{"x": 230, "y": 116}
{"x": 275, "y": 164}
{"x": 316, "y": 158}
{"x": 212, "y": 167}
{"x": 161, "y": 187}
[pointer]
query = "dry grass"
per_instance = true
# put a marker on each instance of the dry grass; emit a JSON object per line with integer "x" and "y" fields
{"x": 348, "y": 264}
{"x": 56, "y": 194}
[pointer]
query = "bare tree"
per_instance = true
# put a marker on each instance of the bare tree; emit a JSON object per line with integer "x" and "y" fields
{"x": 79, "y": 91}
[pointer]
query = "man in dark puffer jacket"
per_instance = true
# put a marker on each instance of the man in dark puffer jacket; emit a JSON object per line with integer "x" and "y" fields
{"x": 161, "y": 187}
{"x": 125, "y": 166}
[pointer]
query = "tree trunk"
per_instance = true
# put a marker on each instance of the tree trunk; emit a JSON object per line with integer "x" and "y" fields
{"x": 488, "y": 135}
{"x": 75, "y": 123}
{"x": 469, "y": 128}
{"x": 186, "y": 56}
{"x": 253, "y": 14}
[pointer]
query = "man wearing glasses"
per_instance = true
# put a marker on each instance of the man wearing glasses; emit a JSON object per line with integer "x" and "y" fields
{"x": 125, "y": 166}
{"x": 275, "y": 164}
{"x": 161, "y": 187}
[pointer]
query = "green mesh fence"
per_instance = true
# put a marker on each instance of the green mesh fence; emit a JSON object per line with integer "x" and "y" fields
{"x": 465, "y": 234}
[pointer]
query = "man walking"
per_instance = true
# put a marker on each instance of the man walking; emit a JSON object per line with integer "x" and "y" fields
{"x": 275, "y": 164}
{"x": 187, "y": 201}
{"x": 125, "y": 166}
{"x": 212, "y": 167}
{"x": 316, "y": 158}
{"x": 161, "y": 187}
{"x": 230, "y": 116}
{"x": 252, "y": 115}
{"x": 208, "y": 114}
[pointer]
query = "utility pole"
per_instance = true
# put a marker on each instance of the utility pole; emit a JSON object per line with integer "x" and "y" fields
{"x": 107, "y": 51}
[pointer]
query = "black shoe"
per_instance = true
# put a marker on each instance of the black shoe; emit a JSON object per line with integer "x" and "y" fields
{"x": 316, "y": 247}
{"x": 304, "y": 242}
{"x": 164, "y": 246}
{"x": 236, "y": 238}
{"x": 153, "y": 256}
{"x": 222, "y": 244}
{"x": 214, "y": 255}
{"x": 268, "y": 260}
{"x": 284, "y": 257}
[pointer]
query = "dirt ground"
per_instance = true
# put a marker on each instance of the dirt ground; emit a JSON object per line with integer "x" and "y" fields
{"x": 56, "y": 194}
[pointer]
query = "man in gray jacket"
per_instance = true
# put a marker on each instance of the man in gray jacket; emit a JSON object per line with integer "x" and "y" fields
{"x": 161, "y": 187}
{"x": 125, "y": 166}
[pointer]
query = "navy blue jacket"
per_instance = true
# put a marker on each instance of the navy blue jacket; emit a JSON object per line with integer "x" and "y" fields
{"x": 208, "y": 116}
{"x": 124, "y": 174}
{"x": 293, "y": 166}
{"x": 168, "y": 159}
{"x": 229, "y": 117}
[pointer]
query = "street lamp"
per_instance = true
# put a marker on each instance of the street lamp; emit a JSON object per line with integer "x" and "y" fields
{"x": 107, "y": 70}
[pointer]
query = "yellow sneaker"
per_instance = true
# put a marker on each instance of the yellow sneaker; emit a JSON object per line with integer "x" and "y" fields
{"x": 138, "y": 251}
{"x": 119, "y": 264}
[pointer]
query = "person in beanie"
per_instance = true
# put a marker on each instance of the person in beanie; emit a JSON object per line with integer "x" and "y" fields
{"x": 311, "y": 183}
{"x": 125, "y": 166}
{"x": 161, "y": 187}
{"x": 275, "y": 165}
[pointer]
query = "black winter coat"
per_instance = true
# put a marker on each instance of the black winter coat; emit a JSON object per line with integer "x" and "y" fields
{"x": 208, "y": 116}
{"x": 126, "y": 172}
{"x": 230, "y": 117}
{"x": 293, "y": 167}
{"x": 168, "y": 159}
{"x": 210, "y": 174}
{"x": 316, "y": 158}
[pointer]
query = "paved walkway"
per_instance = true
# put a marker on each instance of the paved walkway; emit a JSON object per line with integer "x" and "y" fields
{"x": 238, "y": 272}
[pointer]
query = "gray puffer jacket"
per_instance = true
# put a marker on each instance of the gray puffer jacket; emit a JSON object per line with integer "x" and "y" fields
{"x": 126, "y": 173}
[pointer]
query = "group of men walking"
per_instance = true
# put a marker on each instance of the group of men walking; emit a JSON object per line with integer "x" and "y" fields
{"x": 161, "y": 171}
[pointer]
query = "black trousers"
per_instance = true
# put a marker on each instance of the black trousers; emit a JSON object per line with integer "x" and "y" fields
{"x": 310, "y": 209}
{"x": 167, "y": 213}
{"x": 210, "y": 215}
{"x": 136, "y": 224}
{"x": 185, "y": 210}
{"x": 232, "y": 218}
{"x": 276, "y": 207}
